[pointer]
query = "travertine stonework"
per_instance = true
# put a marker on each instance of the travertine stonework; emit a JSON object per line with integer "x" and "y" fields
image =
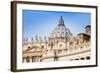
{"x": 62, "y": 45}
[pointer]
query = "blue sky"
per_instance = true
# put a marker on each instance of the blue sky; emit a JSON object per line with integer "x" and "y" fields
{"x": 42, "y": 23}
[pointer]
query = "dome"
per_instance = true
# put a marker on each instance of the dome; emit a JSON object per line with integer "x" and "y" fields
{"x": 61, "y": 30}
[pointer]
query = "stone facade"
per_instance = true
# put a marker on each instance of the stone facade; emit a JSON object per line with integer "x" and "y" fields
{"x": 60, "y": 46}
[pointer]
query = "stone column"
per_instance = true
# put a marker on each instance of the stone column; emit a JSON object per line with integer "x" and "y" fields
{"x": 30, "y": 59}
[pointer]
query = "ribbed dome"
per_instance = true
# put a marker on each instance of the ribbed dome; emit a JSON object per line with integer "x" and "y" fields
{"x": 61, "y": 30}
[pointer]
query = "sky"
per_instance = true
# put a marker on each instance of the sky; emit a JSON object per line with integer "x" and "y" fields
{"x": 41, "y": 23}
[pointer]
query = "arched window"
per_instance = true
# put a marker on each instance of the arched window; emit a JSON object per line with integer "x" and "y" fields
{"x": 88, "y": 58}
{"x": 27, "y": 59}
{"x": 76, "y": 59}
{"x": 66, "y": 50}
{"x": 34, "y": 58}
{"x": 82, "y": 58}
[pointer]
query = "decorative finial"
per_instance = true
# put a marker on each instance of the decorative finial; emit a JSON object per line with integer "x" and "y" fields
{"x": 40, "y": 38}
{"x": 32, "y": 39}
{"x": 26, "y": 39}
{"x": 36, "y": 38}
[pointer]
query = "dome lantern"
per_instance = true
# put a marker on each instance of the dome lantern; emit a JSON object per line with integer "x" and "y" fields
{"x": 61, "y": 22}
